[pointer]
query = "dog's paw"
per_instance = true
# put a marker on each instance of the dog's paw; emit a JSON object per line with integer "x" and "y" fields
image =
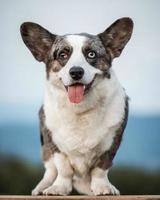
{"x": 57, "y": 190}
{"x": 104, "y": 189}
{"x": 36, "y": 192}
{"x": 62, "y": 186}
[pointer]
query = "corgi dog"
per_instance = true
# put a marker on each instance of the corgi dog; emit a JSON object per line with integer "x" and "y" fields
{"x": 85, "y": 108}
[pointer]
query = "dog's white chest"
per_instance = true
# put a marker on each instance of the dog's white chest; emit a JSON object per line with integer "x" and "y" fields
{"x": 86, "y": 134}
{"x": 77, "y": 134}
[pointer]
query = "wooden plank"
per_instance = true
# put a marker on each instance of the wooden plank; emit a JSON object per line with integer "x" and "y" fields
{"x": 121, "y": 197}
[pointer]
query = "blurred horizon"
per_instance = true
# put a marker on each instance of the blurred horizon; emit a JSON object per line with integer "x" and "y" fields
{"x": 139, "y": 148}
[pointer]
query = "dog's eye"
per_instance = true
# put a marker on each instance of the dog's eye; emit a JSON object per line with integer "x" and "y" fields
{"x": 63, "y": 55}
{"x": 91, "y": 54}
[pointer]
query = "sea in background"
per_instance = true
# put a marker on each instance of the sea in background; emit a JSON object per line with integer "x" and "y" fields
{"x": 139, "y": 148}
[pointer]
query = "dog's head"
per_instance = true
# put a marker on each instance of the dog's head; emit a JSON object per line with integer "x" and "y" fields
{"x": 75, "y": 61}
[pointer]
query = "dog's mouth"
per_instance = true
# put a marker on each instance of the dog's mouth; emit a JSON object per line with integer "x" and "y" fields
{"x": 77, "y": 91}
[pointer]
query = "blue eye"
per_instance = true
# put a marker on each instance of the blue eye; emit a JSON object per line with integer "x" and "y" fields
{"x": 91, "y": 54}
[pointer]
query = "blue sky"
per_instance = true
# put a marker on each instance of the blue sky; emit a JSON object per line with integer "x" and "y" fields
{"x": 22, "y": 78}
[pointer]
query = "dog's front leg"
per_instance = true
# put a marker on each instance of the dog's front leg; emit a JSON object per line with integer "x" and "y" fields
{"x": 63, "y": 182}
{"x": 48, "y": 178}
{"x": 100, "y": 184}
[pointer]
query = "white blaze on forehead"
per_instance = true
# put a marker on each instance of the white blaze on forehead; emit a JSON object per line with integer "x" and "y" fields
{"x": 77, "y": 42}
{"x": 77, "y": 59}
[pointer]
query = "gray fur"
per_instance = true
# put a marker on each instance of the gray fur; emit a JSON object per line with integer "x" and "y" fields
{"x": 48, "y": 147}
{"x": 37, "y": 39}
{"x": 54, "y": 63}
{"x": 117, "y": 35}
{"x": 105, "y": 160}
{"x": 103, "y": 58}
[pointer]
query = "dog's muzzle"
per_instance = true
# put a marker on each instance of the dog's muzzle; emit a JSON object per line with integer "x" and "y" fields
{"x": 77, "y": 88}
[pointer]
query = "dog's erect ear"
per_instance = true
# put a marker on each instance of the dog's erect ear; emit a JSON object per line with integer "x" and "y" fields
{"x": 37, "y": 39}
{"x": 117, "y": 35}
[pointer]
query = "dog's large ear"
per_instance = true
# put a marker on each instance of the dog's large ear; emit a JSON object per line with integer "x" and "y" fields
{"x": 37, "y": 39}
{"x": 117, "y": 35}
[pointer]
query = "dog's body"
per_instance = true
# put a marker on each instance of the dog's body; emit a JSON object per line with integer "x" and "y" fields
{"x": 85, "y": 108}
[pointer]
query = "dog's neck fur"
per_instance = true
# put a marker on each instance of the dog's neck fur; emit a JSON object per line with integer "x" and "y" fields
{"x": 104, "y": 95}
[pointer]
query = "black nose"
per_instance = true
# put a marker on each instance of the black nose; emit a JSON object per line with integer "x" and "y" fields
{"x": 76, "y": 72}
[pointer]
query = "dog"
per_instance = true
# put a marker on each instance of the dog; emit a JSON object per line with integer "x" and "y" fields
{"x": 85, "y": 108}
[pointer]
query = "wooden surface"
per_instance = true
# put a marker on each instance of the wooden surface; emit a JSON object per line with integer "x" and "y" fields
{"x": 146, "y": 197}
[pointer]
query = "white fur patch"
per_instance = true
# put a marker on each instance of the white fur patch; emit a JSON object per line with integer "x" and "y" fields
{"x": 63, "y": 183}
{"x": 80, "y": 129}
{"x": 61, "y": 186}
{"x": 83, "y": 184}
{"x": 100, "y": 184}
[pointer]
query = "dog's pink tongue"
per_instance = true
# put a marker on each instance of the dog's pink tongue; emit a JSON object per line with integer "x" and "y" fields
{"x": 76, "y": 93}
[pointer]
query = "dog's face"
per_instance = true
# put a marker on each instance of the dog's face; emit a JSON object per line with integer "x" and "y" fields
{"x": 74, "y": 62}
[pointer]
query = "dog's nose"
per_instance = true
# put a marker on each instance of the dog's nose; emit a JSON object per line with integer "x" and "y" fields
{"x": 76, "y": 73}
